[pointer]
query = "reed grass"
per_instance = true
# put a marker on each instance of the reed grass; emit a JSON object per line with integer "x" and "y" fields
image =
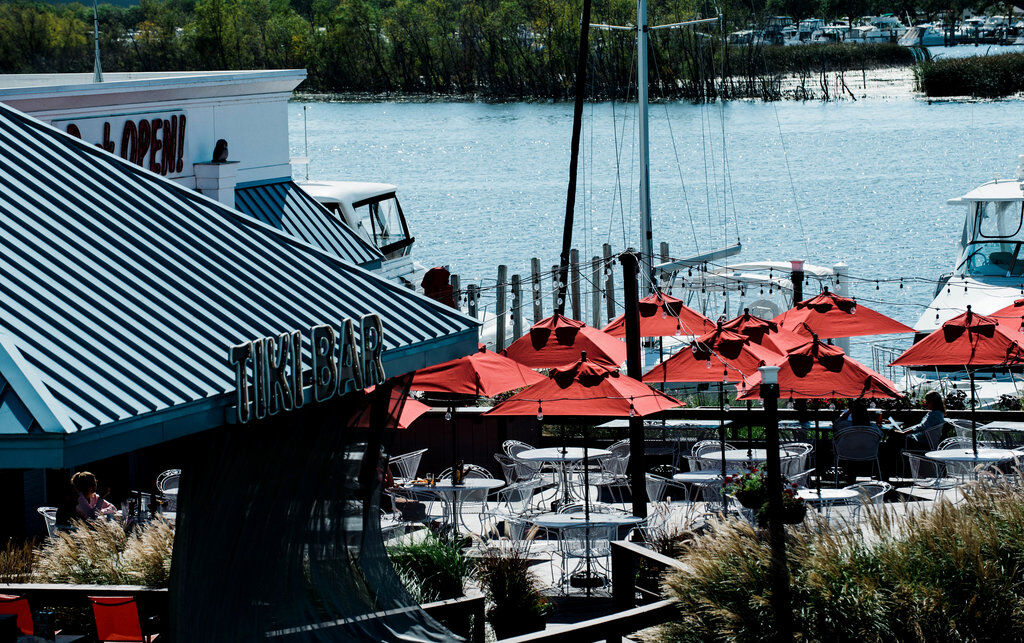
{"x": 947, "y": 573}
{"x": 103, "y": 553}
{"x": 979, "y": 76}
{"x": 16, "y": 562}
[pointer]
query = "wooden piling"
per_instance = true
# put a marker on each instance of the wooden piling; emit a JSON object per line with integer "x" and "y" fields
{"x": 554, "y": 281}
{"x": 472, "y": 296}
{"x": 501, "y": 308}
{"x": 661, "y": 278}
{"x": 517, "y": 307}
{"x": 456, "y": 292}
{"x": 595, "y": 293}
{"x": 574, "y": 275}
{"x": 535, "y": 286}
{"x": 609, "y": 284}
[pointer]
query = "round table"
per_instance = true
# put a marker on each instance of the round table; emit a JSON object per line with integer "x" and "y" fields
{"x": 828, "y": 495}
{"x": 698, "y": 479}
{"x": 453, "y": 495}
{"x": 985, "y": 455}
{"x": 561, "y": 458}
{"x": 558, "y": 521}
{"x": 734, "y": 456}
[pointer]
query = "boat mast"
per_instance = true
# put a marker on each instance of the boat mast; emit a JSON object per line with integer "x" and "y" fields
{"x": 646, "y": 234}
{"x": 97, "y": 70}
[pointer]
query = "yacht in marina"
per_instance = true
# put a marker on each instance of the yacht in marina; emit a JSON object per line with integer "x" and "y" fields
{"x": 988, "y": 272}
{"x": 925, "y": 35}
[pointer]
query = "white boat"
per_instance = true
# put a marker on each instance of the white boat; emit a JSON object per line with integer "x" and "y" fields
{"x": 989, "y": 269}
{"x": 923, "y": 36}
{"x": 373, "y": 211}
{"x": 877, "y": 29}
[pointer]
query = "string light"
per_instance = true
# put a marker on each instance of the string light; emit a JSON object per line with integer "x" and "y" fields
{"x": 448, "y": 415}
{"x": 540, "y": 411}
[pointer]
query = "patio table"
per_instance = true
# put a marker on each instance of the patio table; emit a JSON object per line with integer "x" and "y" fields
{"x": 827, "y": 496}
{"x": 985, "y": 455}
{"x": 452, "y": 496}
{"x": 746, "y": 456}
{"x": 698, "y": 479}
{"x": 558, "y": 522}
{"x": 561, "y": 458}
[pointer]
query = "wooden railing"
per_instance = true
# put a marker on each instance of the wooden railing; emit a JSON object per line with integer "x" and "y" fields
{"x": 630, "y": 617}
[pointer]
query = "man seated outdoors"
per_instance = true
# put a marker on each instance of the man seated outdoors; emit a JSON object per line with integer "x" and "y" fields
{"x": 90, "y": 505}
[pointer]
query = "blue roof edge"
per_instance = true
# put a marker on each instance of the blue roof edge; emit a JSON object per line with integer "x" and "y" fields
{"x": 147, "y": 430}
{"x": 23, "y": 378}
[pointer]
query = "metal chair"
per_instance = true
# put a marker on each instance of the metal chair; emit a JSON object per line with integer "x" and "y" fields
{"x": 702, "y": 447}
{"x": 406, "y": 466}
{"x": 508, "y": 467}
{"x": 580, "y": 543}
{"x": 920, "y": 467}
{"x": 872, "y": 492}
{"x": 857, "y": 444}
{"x": 526, "y": 470}
{"x": 167, "y": 484}
{"x": 658, "y": 486}
{"x": 49, "y": 515}
{"x": 794, "y": 464}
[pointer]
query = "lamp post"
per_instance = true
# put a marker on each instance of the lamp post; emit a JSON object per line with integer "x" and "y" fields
{"x": 776, "y": 531}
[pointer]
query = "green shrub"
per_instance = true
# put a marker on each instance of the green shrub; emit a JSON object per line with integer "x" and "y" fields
{"x": 515, "y": 602}
{"x": 947, "y": 573}
{"x": 835, "y": 57}
{"x": 978, "y": 76}
{"x": 432, "y": 569}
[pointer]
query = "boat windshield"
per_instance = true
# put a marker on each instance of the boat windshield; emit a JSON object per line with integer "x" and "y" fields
{"x": 381, "y": 219}
{"x": 995, "y": 240}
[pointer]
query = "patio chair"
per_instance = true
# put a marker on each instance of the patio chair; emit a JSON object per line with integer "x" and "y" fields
{"x": 117, "y": 619}
{"x": 526, "y": 470}
{"x": 857, "y": 444}
{"x": 872, "y": 492}
{"x": 612, "y": 472}
{"x": 508, "y": 467}
{"x": 659, "y": 486}
{"x": 702, "y": 447}
{"x": 794, "y": 464}
{"x": 167, "y": 484}
{"x": 405, "y": 466}
{"x": 18, "y": 607}
{"x": 578, "y": 543}
{"x": 416, "y": 506}
{"x": 800, "y": 479}
{"x": 49, "y": 515}
{"x": 928, "y": 474}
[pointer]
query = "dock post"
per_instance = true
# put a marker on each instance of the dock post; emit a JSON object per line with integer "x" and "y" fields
{"x": 472, "y": 294}
{"x": 456, "y": 292}
{"x": 841, "y": 271}
{"x": 517, "y": 307}
{"x": 595, "y": 293}
{"x": 535, "y": 286}
{"x": 557, "y": 286}
{"x": 501, "y": 308}
{"x": 609, "y": 284}
{"x": 574, "y": 275}
{"x": 663, "y": 252}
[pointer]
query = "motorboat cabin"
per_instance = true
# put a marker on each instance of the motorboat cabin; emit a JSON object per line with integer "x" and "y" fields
{"x": 989, "y": 269}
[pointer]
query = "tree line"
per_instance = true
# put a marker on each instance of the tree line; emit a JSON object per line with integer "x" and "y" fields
{"x": 490, "y": 48}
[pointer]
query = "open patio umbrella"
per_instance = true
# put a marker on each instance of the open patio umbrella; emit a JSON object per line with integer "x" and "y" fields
{"x": 1011, "y": 316}
{"x": 968, "y": 340}
{"x": 558, "y": 341}
{"x": 663, "y": 315}
{"x": 586, "y": 388}
{"x": 829, "y": 315}
{"x": 482, "y": 373}
{"x": 816, "y": 370}
{"x": 720, "y": 356}
{"x": 411, "y": 410}
{"x": 765, "y": 333}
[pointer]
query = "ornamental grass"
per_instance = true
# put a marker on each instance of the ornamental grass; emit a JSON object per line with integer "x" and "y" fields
{"x": 948, "y": 572}
{"x": 104, "y": 553}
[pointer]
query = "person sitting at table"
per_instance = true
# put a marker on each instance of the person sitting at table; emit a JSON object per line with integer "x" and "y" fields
{"x": 925, "y": 435}
{"x": 90, "y": 505}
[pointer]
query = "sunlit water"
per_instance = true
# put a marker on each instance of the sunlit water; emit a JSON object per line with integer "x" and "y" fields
{"x": 866, "y": 182}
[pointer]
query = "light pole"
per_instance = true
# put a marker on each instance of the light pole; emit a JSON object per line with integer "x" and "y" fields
{"x": 776, "y": 530}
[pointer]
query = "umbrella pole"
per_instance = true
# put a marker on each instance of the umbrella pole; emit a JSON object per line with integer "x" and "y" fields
{"x": 974, "y": 424}
{"x": 586, "y": 501}
{"x": 721, "y": 436}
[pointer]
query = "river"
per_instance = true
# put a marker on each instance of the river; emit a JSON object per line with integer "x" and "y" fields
{"x": 864, "y": 182}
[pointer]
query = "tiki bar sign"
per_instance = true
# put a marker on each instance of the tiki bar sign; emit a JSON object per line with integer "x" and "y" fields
{"x": 153, "y": 141}
{"x": 270, "y": 375}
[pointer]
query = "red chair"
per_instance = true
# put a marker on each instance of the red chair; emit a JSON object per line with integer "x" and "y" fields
{"x": 18, "y": 606}
{"x": 117, "y": 619}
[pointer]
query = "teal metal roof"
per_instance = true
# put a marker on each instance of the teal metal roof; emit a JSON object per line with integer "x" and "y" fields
{"x": 285, "y": 206}
{"x": 123, "y": 291}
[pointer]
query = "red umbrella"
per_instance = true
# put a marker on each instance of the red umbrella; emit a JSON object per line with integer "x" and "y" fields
{"x": 817, "y": 370}
{"x": 719, "y": 356}
{"x": 558, "y": 340}
{"x": 969, "y": 340}
{"x": 765, "y": 333}
{"x": 829, "y": 315}
{"x": 482, "y": 373}
{"x": 1011, "y": 316}
{"x": 410, "y": 410}
{"x": 587, "y": 388}
{"x": 662, "y": 315}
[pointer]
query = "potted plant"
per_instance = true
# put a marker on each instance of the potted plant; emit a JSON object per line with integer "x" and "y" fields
{"x": 794, "y": 509}
{"x": 516, "y": 605}
{"x": 748, "y": 488}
